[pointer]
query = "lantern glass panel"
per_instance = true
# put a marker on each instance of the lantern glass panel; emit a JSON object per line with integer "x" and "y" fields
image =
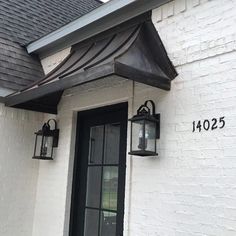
{"x": 138, "y": 140}
{"x": 150, "y": 136}
{"x": 38, "y": 143}
{"x": 47, "y": 146}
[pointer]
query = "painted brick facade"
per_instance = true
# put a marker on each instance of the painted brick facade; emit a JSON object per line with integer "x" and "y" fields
{"x": 18, "y": 172}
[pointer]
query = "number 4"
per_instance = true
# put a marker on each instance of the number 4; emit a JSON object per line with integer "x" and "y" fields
{"x": 199, "y": 126}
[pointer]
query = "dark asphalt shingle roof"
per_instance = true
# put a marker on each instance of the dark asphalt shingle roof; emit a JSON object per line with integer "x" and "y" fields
{"x": 23, "y": 21}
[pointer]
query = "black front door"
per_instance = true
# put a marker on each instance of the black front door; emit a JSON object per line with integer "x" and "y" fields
{"x": 97, "y": 207}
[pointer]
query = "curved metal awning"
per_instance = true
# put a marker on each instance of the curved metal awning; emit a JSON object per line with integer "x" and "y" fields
{"x": 135, "y": 52}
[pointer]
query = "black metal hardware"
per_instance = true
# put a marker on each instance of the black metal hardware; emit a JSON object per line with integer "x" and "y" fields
{"x": 145, "y": 129}
{"x": 46, "y": 140}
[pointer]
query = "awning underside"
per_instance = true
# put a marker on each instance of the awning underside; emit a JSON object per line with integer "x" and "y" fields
{"x": 135, "y": 53}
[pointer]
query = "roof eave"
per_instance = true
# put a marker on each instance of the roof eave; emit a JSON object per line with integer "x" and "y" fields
{"x": 102, "y": 18}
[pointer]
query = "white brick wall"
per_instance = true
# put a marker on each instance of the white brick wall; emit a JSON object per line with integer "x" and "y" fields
{"x": 196, "y": 30}
{"x": 18, "y": 172}
{"x": 189, "y": 190}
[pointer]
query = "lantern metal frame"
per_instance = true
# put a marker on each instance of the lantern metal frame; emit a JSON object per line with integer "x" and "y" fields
{"x": 46, "y": 131}
{"x": 145, "y": 114}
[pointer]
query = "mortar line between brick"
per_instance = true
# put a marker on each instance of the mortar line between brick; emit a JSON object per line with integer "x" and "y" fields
{"x": 203, "y": 59}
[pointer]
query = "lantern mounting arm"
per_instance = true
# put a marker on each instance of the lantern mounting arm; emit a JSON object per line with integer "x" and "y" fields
{"x": 153, "y": 106}
{"x": 55, "y": 123}
{"x": 146, "y": 109}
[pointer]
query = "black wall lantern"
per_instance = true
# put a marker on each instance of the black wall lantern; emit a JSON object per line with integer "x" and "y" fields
{"x": 145, "y": 129}
{"x": 46, "y": 139}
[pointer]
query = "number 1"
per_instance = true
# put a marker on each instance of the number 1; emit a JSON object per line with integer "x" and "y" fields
{"x": 193, "y": 126}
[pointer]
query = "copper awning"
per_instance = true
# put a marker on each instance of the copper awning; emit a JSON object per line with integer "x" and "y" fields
{"x": 134, "y": 52}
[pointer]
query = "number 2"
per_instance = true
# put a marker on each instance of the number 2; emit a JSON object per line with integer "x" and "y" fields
{"x": 214, "y": 126}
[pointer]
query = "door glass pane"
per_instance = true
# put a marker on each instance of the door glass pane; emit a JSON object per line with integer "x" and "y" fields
{"x": 110, "y": 188}
{"x": 96, "y": 145}
{"x": 112, "y": 143}
{"x": 93, "y": 186}
{"x": 108, "y": 224}
{"x": 91, "y": 222}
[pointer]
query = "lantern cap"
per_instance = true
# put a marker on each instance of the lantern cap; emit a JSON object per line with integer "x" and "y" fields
{"x": 46, "y": 129}
{"x": 144, "y": 112}
{"x": 152, "y": 118}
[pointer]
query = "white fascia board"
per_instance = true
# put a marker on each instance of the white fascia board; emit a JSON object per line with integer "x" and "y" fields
{"x": 79, "y": 23}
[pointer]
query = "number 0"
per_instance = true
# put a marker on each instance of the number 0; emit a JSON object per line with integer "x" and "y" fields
{"x": 206, "y": 124}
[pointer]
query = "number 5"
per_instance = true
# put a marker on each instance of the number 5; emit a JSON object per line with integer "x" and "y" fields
{"x": 221, "y": 120}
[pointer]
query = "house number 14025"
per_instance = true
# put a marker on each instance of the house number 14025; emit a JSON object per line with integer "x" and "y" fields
{"x": 212, "y": 124}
